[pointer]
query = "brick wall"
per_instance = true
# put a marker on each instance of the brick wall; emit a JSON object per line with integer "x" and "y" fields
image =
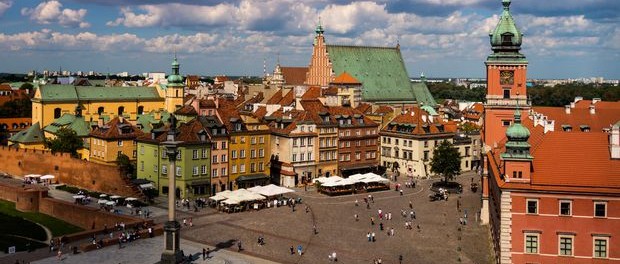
{"x": 83, "y": 216}
{"x": 67, "y": 170}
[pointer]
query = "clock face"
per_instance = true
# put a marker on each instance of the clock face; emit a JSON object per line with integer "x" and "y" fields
{"x": 506, "y": 77}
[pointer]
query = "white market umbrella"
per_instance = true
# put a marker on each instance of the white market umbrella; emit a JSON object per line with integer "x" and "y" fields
{"x": 103, "y": 195}
{"x": 109, "y": 203}
{"x": 78, "y": 196}
{"x": 115, "y": 197}
{"x": 33, "y": 176}
{"x": 47, "y": 177}
{"x": 101, "y": 201}
{"x": 231, "y": 201}
{"x": 217, "y": 198}
{"x": 131, "y": 199}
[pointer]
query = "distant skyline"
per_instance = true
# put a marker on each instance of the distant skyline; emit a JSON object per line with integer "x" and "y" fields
{"x": 441, "y": 38}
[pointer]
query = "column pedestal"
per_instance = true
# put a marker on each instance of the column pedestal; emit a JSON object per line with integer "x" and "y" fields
{"x": 172, "y": 252}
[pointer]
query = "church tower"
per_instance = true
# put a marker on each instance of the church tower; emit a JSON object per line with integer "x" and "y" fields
{"x": 506, "y": 78}
{"x": 175, "y": 88}
{"x": 319, "y": 70}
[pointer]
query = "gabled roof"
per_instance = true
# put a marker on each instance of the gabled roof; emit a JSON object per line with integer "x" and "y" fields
{"x": 75, "y": 123}
{"x": 348, "y": 112}
{"x": 419, "y": 122}
{"x": 115, "y": 129}
{"x": 345, "y": 78}
{"x": 288, "y": 99}
{"x": 606, "y": 114}
{"x": 275, "y": 98}
{"x": 186, "y": 110}
{"x": 312, "y": 93}
{"x": 294, "y": 75}
{"x": 364, "y": 108}
{"x": 32, "y": 134}
{"x": 422, "y": 94}
{"x": 381, "y": 70}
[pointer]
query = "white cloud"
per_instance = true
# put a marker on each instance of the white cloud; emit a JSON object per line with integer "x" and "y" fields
{"x": 51, "y": 12}
{"x": 5, "y": 5}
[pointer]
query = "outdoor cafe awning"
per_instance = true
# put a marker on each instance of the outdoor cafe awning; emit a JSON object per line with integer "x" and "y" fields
{"x": 253, "y": 177}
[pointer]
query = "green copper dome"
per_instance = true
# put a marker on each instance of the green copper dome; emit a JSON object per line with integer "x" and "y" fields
{"x": 517, "y": 132}
{"x": 175, "y": 78}
{"x": 506, "y": 36}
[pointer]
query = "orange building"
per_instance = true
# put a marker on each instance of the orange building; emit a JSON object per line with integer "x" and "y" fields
{"x": 551, "y": 186}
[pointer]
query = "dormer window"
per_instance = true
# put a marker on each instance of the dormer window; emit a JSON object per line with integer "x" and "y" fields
{"x": 567, "y": 128}
{"x": 361, "y": 121}
{"x": 237, "y": 126}
{"x": 584, "y": 128}
{"x": 507, "y": 38}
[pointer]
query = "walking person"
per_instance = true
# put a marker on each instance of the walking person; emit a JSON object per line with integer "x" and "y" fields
{"x": 356, "y": 217}
{"x": 372, "y": 235}
{"x": 314, "y": 229}
{"x": 299, "y": 249}
{"x": 400, "y": 259}
{"x": 204, "y": 254}
{"x": 292, "y": 250}
{"x": 368, "y": 237}
{"x": 239, "y": 246}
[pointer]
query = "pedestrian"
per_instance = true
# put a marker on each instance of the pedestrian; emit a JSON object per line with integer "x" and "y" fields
{"x": 411, "y": 214}
{"x": 292, "y": 250}
{"x": 204, "y": 254}
{"x": 356, "y": 204}
{"x": 391, "y": 231}
{"x": 59, "y": 254}
{"x": 389, "y": 216}
{"x": 372, "y": 198}
{"x": 461, "y": 220}
{"x": 150, "y": 230}
{"x": 299, "y": 250}
{"x": 334, "y": 257}
{"x": 367, "y": 205}
{"x": 190, "y": 222}
{"x": 372, "y": 220}
{"x": 419, "y": 228}
{"x": 356, "y": 217}
{"x": 401, "y": 192}
{"x": 381, "y": 226}
{"x": 368, "y": 237}
{"x": 410, "y": 205}
{"x": 184, "y": 222}
{"x": 400, "y": 259}
{"x": 307, "y": 209}
{"x": 120, "y": 243}
{"x": 314, "y": 229}
{"x": 239, "y": 246}
{"x": 373, "y": 237}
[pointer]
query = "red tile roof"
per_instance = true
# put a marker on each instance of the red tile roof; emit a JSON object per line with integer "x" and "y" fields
{"x": 568, "y": 161}
{"x": 288, "y": 99}
{"x": 606, "y": 114}
{"x": 312, "y": 93}
{"x": 294, "y": 75}
{"x": 364, "y": 108}
{"x": 418, "y": 122}
{"x": 117, "y": 129}
{"x": 345, "y": 78}
{"x": 275, "y": 98}
{"x": 186, "y": 110}
{"x": 332, "y": 90}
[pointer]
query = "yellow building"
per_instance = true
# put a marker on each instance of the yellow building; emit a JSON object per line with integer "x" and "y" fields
{"x": 108, "y": 141}
{"x": 52, "y": 101}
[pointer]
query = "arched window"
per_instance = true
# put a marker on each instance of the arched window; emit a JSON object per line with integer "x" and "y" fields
{"x": 100, "y": 110}
{"x": 121, "y": 109}
{"x": 140, "y": 110}
{"x": 177, "y": 93}
{"x": 57, "y": 112}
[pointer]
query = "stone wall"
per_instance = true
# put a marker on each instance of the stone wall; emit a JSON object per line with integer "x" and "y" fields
{"x": 67, "y": 170}
{"x": 83, "y": 216}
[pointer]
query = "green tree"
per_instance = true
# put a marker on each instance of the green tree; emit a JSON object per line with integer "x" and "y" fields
{"x": 26, "y": 85}
{"x": 446, "y": 161}
{"x": 66, "y": 141}
{"x": 125, "y": 166}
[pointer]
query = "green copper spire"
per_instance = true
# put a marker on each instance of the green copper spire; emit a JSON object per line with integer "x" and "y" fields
{"x": 175, "y": 78}
{"x": 319, "y": 28}
{"x": 517, "y": 146}
{"x": 506, "y": 36}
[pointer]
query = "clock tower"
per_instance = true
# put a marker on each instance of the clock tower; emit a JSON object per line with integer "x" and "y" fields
{"x": 506, "y": 78}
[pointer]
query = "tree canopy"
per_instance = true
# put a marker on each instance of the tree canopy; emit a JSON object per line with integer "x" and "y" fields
{"x": 66, "y": 141}
{"x": 125, "y": 166}
{"x": 446, "y": 161}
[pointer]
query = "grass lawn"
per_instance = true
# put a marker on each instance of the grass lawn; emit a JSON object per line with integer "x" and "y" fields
{"x": 56, "y": 226}
{"x": 12, "y": 225}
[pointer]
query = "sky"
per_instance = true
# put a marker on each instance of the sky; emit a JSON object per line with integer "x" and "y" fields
{"x": 440, "y": 38}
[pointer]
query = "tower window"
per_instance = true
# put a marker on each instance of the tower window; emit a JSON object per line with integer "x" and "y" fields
{"x": 100, "y": 110}
{"x": 121, "y": 109}
{"x": 507, "y": 39}
{"x": 140, "y": 110}
{"x": 57, "y": 112}
{"x": 506, "y": 93}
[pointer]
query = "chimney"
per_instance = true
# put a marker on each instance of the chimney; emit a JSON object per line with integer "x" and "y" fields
{"x": 596, "y": 100}
{"x": 592, "y": 110}
{"x": 572, "y": 104}
{"x": 614, "y": 141}
{"x": 567, "y": 109}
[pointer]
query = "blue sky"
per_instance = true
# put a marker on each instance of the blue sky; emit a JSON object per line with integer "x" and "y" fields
{"x": 442, "y": 38}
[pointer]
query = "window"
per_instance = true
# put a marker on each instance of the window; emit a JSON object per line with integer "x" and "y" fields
{"x": 565, "y": 207}
{"x": 195, "y": 170}
{"x": 600, "y": 247}
{"x": 155, "y": 152}
{"x": 135, "y": 153}
{"x": 234, "y": 169}
{"x": 309, "y": 156}
{"x": 242, "y": 153}
{"x": 214, "y": 173}
{"x": 426, "y": 155}
{"x": 261, "y": 153}
{"x": 261, "y": 166}
{"x": 223, "y": 171}
{"x": 203, "y": 169}
{"x": 141, "y": 165}
{"x": 242, "y": 168}
{"x": 164, "y": 169}
{"x": 179, "y": 155}
{"x": 242, "y": 139}
{"x": 121, "y": 109}
{"x": 214, "y": 159}
{"x": 358, "y": 155}
{"x": 223, "y": 145}
{"x": 310, "y": 141}
{"x": 426, "y": 144}
{"x": 120, "y": 143}
{"x": 252, "y": 167}
{"x": 214, "y": 146}
{"x": 600, "y": 209}
{"x": 100, "y": 110}
{"x": 532, "y": 206}
{"x": 204, "y": 153}
{"x": 566, "y": 246}
{"x": 506, "y": 123}
{"x": 155, "y": 168}
{"x": 506, "y": 93}
{"x": 233, "y": 153}
{"x": 223, "y": 158}
{"x": 178, "y": 172}
{"x": 57, "y": 112}
{"x": 261, "y": 140}
{"x": 252, "y": 153}
{"x": 294, "y": 157}
{"x": 195, "y": 154}
{"x": 252, "y": 140}
{"x": 531, "y": 243}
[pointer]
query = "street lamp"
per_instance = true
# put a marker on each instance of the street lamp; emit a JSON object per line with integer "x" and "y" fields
{"x": 172, "y": 252}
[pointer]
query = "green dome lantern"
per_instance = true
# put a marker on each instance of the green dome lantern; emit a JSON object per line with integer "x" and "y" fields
{"x": 517, "y": 132}
{"x": 506, "y": 36}
{"x": 175, "y": 78}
